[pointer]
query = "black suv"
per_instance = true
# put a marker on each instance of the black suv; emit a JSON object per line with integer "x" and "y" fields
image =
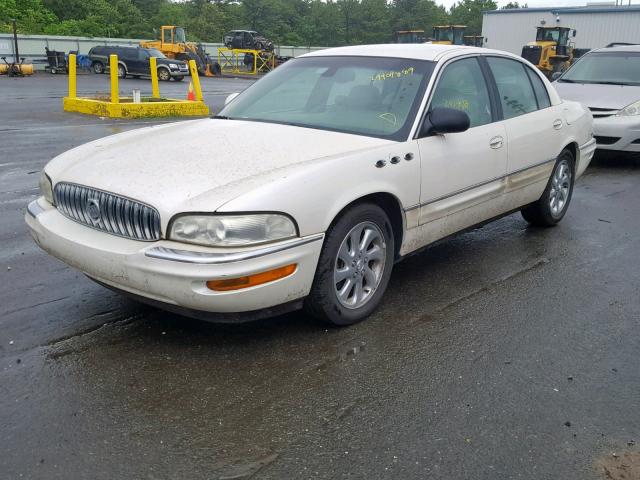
{"x": 247, "y": 39}
{"x": 134, "y": 61}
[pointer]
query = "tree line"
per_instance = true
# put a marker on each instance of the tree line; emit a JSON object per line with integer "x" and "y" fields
{"x": 286, "y": 22}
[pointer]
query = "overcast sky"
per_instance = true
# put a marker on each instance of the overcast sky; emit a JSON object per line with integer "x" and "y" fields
{"x": 543, "y": 3}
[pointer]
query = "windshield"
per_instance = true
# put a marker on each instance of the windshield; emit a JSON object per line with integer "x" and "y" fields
{"x": 621, "y": 68}
{"x": 371, "y": 96}
{"x": 443, "y": 34}
{"x": 155, "y": 53}
{"x": 180, "y": 37}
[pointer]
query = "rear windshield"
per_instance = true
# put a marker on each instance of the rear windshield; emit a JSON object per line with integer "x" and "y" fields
{"x": 613, "y": 68}
{"x": 374, "y": 96}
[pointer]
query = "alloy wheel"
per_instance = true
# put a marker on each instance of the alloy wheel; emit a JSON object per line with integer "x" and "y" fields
{"x": 560, "y": 188}
{"x": 359, "y": 265}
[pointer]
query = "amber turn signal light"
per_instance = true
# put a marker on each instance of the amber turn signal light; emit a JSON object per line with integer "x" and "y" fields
{"x": 251, "y": 280}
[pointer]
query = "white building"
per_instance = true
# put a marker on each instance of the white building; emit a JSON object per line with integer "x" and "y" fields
{"x": 596, "y": 26}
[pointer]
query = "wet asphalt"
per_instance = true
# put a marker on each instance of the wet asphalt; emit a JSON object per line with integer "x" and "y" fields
{"x": 505, "y": 352}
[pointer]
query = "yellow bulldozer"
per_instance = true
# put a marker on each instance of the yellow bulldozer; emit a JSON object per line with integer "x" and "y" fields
{"x": 448, "y": 34}
{"x": 173, "y": 44}
{"x": 552, "y": 51}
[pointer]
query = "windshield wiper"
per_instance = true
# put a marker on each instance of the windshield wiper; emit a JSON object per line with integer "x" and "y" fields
{"x": 565, "y": 80}
{"x": 221, "y": 117}
{"x": 613, "y": 83}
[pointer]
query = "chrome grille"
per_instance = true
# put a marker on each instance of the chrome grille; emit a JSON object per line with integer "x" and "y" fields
{"x": 108, "y": 212}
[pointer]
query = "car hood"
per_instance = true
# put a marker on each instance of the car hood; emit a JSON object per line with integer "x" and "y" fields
{"x": 594, "y": 95}
{"x": 198, "y": 165}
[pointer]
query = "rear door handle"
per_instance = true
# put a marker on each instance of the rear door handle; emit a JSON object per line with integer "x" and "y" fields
{"x": 496, "y": 142}
{"x": 557, "y": 124}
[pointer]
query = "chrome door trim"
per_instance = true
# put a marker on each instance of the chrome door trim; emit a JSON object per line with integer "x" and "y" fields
{"x": 216, "y": 258}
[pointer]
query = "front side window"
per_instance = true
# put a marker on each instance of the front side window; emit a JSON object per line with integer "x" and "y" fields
{"x": 613, "y": 68}
{"x": 514, "y": 87}
{"x": 462, "y": 87}
{"x": 374, "y": 96}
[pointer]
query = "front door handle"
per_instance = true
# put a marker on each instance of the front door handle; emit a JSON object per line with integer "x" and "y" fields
{"x": 557, "y": 124}
{"x": 496, "y": 142}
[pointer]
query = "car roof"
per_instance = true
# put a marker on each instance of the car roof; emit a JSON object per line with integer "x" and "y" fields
{"x": 620, "y": 48}
{"x": 418, "y": 51}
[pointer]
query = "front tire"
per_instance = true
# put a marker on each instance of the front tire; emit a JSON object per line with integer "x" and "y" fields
{"x": 354, "y": 267}
{"x": 554, "y": 202}
{"x": 164, "y": 75}
{"x": 98, "y": 68}
{"x": 122, "y": 72}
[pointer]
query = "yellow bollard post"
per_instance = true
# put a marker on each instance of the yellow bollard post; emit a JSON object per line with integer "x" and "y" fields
{"x": 72, "y": 76}
{"x": 195, "y": 79}
{"x": 155, "y": 91}
{"x": 113, "y": 66}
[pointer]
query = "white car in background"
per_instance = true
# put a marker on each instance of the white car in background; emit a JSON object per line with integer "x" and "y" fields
{"x": 607, "y": 81}
{"x": 310, "y": 185}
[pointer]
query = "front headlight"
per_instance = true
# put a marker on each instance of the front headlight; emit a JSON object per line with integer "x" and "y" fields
{"x": 173, "y": 65}
{"x": 45, "y": 187}
{"x": 231, "y": 230}
{"x": 630, "y": 110}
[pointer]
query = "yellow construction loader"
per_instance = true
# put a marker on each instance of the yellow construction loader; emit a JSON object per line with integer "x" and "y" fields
{"x": 448, "y": 34}
{"x": 552, "y": 51}
{"x": 173, "y": 44}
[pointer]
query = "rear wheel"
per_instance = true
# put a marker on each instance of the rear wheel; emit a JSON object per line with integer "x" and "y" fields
{"x": 163, "y": 74}
{"x": 354, "y": 267}
{"x": 554, "y": 202}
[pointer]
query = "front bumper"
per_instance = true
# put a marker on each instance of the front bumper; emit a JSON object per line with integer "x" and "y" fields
{"x": 172, "y": 273}
{"x": 618, "y": 133}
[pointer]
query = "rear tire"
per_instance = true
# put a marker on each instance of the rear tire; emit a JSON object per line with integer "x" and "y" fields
{"x": 354, "y": 267}
{"x": 554, "y": 202}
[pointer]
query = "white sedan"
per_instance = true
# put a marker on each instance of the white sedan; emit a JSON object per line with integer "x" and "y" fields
{"x": 310, "y": 185}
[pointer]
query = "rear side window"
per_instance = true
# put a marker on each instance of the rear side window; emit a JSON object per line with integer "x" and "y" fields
{"x": 129, "y": 54}
{"x": 538, "y": 87}
{"x": 462, "y": 87}
{"x": 516, "y": 93}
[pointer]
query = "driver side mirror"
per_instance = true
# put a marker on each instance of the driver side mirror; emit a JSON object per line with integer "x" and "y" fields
{"x": 442, "y": 120}
{"x": 228, "y": 100}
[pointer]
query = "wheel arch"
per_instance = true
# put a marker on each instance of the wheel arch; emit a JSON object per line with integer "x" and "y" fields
{"x": 391, "y": 206}
{"x": 573, "y": 147}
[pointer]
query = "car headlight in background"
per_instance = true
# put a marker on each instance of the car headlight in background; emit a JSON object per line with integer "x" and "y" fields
{"x": 45, "y": 187}
{"x": 630, "y": 110}
{"x": 231, "y": 230}
{"x": 173, "y": 65}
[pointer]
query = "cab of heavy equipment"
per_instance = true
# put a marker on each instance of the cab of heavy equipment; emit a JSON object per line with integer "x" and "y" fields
{"x": 473, "y": 40}
{"x": 170, "y": 34}
{"x": 557, "y": 35}
{"x": 409, "y": 36}
{"x": 448, "y": 34}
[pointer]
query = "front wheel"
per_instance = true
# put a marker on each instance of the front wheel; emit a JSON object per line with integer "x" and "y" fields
{"x": 98, "y": 68}
{"x": 163, "y": 74}
{"x": 554, "y": 202}
{"x": 354, "y": 267}
{"x": 122, "y": 72}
